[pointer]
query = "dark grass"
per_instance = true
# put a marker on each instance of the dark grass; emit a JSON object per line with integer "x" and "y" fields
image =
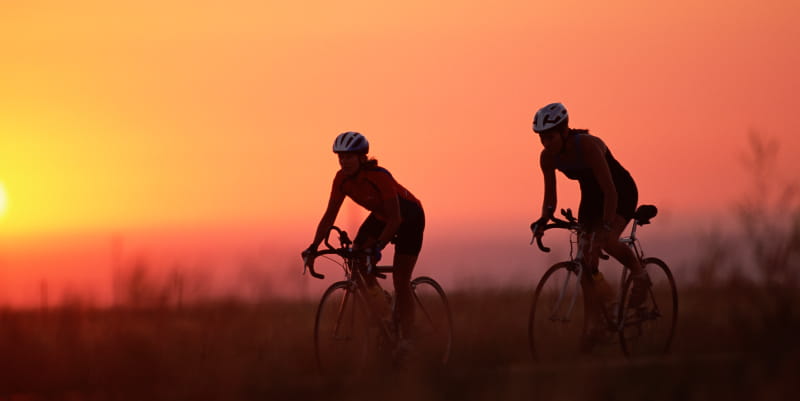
{"x": 733, "y": 343}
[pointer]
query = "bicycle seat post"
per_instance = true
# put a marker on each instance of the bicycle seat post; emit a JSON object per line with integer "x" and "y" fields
{"x": 633, "y": 230}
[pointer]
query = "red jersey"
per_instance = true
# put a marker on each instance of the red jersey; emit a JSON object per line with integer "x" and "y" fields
{"x": 370, "y": 188}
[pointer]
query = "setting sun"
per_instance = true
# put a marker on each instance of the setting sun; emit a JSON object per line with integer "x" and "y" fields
{"x": 3, "y": 200}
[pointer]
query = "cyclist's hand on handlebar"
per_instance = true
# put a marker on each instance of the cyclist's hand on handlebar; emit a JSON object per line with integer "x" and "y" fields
{"x": 374, "y": 253}
{"x": 308, "y": 254}
{"x": 537, "y": 227}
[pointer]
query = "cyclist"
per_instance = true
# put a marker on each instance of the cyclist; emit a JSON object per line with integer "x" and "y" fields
{"x": 608, "y": 196}
{"x": 395, "y": 216}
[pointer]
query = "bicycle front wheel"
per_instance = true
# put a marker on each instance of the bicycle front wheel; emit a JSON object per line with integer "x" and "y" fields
{"x": 556, "y": 322}
{"x": 433, "y": 321}
{"x": 649, "y": 328}
{"x": 341, "y": 331}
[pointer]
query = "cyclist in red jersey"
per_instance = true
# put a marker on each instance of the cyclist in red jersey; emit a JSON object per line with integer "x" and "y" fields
{"x": 396, "y": 216}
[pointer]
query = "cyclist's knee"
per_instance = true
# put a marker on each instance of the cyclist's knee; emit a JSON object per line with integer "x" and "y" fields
{"x": 622, "y": 253}
{"x": 616, "y": 248}
{"x": 591, "y": 260}
{"x": 404, "y": 266}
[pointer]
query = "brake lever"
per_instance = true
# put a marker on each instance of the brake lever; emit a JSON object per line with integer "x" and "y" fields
{"x": 309, "y": 267}
{"x": 534, "y": 227}
{"x": 345, "y": 240}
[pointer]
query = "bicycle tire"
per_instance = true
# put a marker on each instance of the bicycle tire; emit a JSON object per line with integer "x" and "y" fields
{"x": 341, "y": 330}
{"x": 433, "y": 321}
{"x": 553, "y": 337}
{"x": 650, "y": 329}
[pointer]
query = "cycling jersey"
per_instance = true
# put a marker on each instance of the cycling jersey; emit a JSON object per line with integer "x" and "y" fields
{"x": 591, "y": 208}
{"x": 370, "y": 187}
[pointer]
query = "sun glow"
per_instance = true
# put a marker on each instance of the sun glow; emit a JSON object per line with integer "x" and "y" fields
{"x": 3, "y": 200}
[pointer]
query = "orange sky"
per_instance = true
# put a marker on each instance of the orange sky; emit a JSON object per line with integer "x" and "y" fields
{"x": 185, "y": 116}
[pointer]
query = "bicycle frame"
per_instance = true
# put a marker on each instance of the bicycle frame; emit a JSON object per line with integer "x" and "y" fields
{"x": 628, "y": 321}
{"x": 354, "y": 277}
{"x": 576, "y": 259}
{"x": 358, "y": 302}
{"x": 633, "y": 242}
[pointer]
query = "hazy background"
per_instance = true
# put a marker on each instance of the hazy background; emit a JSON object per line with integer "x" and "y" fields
{"x": 195, "y": 136}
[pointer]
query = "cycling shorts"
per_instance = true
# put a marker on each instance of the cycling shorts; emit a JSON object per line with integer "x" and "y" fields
{"x": 408, "y": 239}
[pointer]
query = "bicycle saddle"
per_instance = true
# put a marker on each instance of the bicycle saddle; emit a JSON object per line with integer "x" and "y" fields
{"x": 644, "y": 213}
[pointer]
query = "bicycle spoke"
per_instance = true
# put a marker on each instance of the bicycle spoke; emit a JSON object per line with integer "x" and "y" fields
{"x": 421, "y": 307}
{"x": 555, "y": 329}
{"x": 341, "y": 315}
{"x": 352, "y": 330}
{"x": 340, "y": 332}
{"x": 432, "y": 329}
{"x": 649, "y": 328}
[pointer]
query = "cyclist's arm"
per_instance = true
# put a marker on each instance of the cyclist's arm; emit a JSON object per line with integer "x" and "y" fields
{"x": 595, "y": 152}
{"x": 548, "y": 166}
{"x": 334, "y": 204}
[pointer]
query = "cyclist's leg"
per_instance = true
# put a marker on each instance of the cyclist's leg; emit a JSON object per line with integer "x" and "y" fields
{"x": 408, "y": 243}
{"x": 590, "y": 217}
{"x": 404, "y": 300}
{"x": 591, "y": 243}
{"x": 625, "y": 255}
{"x": 594, "y": 321}
{"x": 367, "y": 235}
{"x": 599, "y": 302}
{"x": 620, "y": 251}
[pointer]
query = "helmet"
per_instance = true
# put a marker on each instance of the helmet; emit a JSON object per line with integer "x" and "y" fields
{"x": 549, "y": 116}
{"x": 350, "y": 141}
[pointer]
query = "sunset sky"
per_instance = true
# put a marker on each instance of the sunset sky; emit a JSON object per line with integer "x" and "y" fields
{"x": 191, "y": 128}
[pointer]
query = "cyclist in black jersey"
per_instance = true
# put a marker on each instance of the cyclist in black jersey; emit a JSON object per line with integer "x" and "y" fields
{"x": 608, "y": 195}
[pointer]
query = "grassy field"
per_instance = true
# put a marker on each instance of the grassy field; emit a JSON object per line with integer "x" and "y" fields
{"x": 734, "y": 343}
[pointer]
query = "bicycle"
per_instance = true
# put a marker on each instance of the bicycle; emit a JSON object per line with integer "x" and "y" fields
{"x": 557, "y": 316}
{"x": 349, "y": 323}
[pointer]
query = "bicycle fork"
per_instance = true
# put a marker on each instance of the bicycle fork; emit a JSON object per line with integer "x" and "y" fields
{"x": 573, "y": 296}
{"x": 375, "y": 313}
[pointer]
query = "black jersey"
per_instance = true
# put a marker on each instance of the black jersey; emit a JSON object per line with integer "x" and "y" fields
{"x": 592, "y": 199}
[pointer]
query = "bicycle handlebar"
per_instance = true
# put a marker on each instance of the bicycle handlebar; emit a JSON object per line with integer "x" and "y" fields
{"x": 308, "y": 260}
{"x": 344, "y": 240}
{"x": 570, "y": 224}
{"x": 344, "y": 250}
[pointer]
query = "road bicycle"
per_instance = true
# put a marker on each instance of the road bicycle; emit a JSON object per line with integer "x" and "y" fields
{"x": 558, "y": 319}
{"x": 354, "y": 329}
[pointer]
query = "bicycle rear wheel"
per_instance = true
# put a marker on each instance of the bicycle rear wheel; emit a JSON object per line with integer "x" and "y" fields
{"x": 556, "y": 322}
{"x": 649, "y": 328}
{"x": 341, "y": 330}
{"x": 433, "y": 322}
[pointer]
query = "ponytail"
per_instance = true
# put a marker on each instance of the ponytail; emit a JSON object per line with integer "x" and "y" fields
{"x": 371, "y": 163}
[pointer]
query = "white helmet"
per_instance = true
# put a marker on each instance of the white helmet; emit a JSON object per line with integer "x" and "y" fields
{"x": 350, "y": 141}
{"x": 549, "y": 116}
